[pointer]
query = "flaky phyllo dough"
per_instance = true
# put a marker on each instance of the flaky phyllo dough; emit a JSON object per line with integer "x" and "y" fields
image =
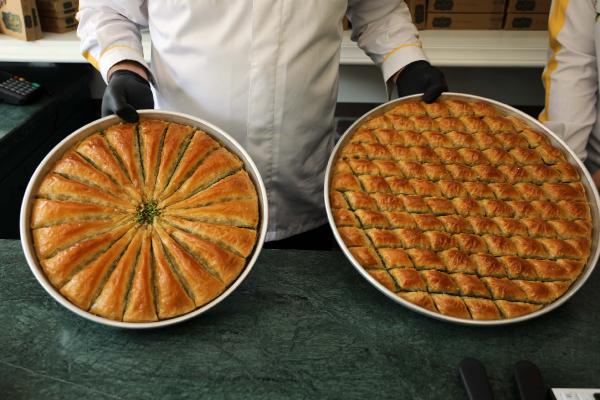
{"x": 145, "y": 222}
{"x": 461, "y": 210}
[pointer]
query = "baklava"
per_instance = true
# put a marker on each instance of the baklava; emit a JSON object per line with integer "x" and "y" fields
{"x": 460, "y": 209}
{"x": 145, "y": 222}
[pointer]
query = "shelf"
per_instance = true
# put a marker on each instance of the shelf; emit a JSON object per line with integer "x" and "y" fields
{"x": 443, "y": 48}
{"x": 472, "y": 49}
{"x": 53, "y": 48}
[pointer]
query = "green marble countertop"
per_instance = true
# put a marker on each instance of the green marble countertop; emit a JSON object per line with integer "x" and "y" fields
{"x": 304, "y": 324}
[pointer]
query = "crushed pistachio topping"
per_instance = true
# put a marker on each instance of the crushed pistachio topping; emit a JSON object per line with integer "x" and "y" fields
{"x": 146, "y": 212}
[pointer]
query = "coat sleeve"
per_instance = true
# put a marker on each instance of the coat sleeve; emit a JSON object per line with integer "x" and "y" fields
{"x": 384, "y": 30}
{"x": 571, "y": 76}
{"x": 110, "y": 32}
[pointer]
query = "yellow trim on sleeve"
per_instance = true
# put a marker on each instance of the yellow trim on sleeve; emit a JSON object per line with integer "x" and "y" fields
{"x": 388, "y": 55}
{"x": 91, "y": 59}
{"x": 556, "y": 22}
{"x": 94, "y": 61}
{"x": 115, "y": 46}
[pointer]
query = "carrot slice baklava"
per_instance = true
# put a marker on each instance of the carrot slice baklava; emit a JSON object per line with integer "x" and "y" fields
{"x": 144, "y": 222}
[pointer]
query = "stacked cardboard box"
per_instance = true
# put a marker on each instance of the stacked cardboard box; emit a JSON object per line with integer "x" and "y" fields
{"x": 35, "y": 16}
{"x": 418, "y": 11}
{"x": 527, "y": 15}
{"x": 478, "y": 14}
{"x": 417, "y": 8}
{"x": 58, "y": 15}
{"x": 19, "y": 18}
{"x": 465, "y": 14}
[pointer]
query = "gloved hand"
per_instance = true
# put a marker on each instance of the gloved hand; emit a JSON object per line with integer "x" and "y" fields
{"x": 126, "y": 92}
{"x": 421, "y": 77}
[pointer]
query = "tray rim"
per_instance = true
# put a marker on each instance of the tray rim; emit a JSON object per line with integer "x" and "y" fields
{"x": 100, "y": 124}
{"x": 586, "y": 180}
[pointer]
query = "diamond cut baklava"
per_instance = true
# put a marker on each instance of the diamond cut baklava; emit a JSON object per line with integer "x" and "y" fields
{"x": 145, "y": 222}
{"x": 461, "y": 210}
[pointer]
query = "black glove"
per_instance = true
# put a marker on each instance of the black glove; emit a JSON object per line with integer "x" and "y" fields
{"x": 126, "y": 92}
{"x": 421, "y": 77}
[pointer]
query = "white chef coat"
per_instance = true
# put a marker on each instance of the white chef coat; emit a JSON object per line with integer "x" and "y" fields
{"x": 265, "y": 71}
{"x": 571, "y": 77}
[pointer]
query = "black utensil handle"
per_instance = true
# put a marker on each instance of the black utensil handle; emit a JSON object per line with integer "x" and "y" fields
{"x": 475, "y": 379}
{"x": 530, "y": 382}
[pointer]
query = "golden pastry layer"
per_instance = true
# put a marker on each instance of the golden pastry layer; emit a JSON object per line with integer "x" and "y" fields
{"x": 461, "y": 210}
{"x": 145, "y": 222}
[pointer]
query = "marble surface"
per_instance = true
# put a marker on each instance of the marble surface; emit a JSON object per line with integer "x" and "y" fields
{"x": 304, "y": 324}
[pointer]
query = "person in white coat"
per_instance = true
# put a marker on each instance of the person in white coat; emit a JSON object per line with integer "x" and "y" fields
{"x": 265, "y": 71}
{"x": 571, "y": 79}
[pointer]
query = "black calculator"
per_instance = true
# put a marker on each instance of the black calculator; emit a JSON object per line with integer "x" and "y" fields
{"x": 17, "y": 90}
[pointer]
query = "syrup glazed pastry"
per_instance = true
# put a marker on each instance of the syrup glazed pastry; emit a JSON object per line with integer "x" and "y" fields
{"x": 145, "y": 222}
{"x": 461, "y": 210}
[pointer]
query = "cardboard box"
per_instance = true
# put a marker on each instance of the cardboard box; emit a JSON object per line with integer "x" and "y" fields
{"x": 35, "y": 19}
{"x": 418, "y": 12}
{"x": 467, "y": 6}
{"x": 526, "y": 22}
{"x": 464, "y": 21}
{"x": 16, "y": 19}
{"x": 345, "y": 23}
{"x": 57, "y": 9}
{"x": 417, "y": 8}
{"x": 528, "y": 6}
{"x": 31, "y": 30}
{"x": 59, "y": 25}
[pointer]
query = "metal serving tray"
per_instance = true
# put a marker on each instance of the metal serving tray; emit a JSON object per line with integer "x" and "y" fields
{"x": 591, "y": 191}
{"x": 103, "y": 123}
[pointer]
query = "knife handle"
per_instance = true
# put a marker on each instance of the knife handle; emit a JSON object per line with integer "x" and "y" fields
{"x": 475, "y": 379}
{"x": 530, "y": 382}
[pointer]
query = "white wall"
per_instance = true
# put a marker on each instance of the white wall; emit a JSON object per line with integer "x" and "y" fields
{"x": 515, "y": 86}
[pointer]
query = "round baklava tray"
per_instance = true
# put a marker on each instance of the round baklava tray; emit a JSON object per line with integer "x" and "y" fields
{"x": 465, "y": 209}
{"x": 145, "y": 224}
